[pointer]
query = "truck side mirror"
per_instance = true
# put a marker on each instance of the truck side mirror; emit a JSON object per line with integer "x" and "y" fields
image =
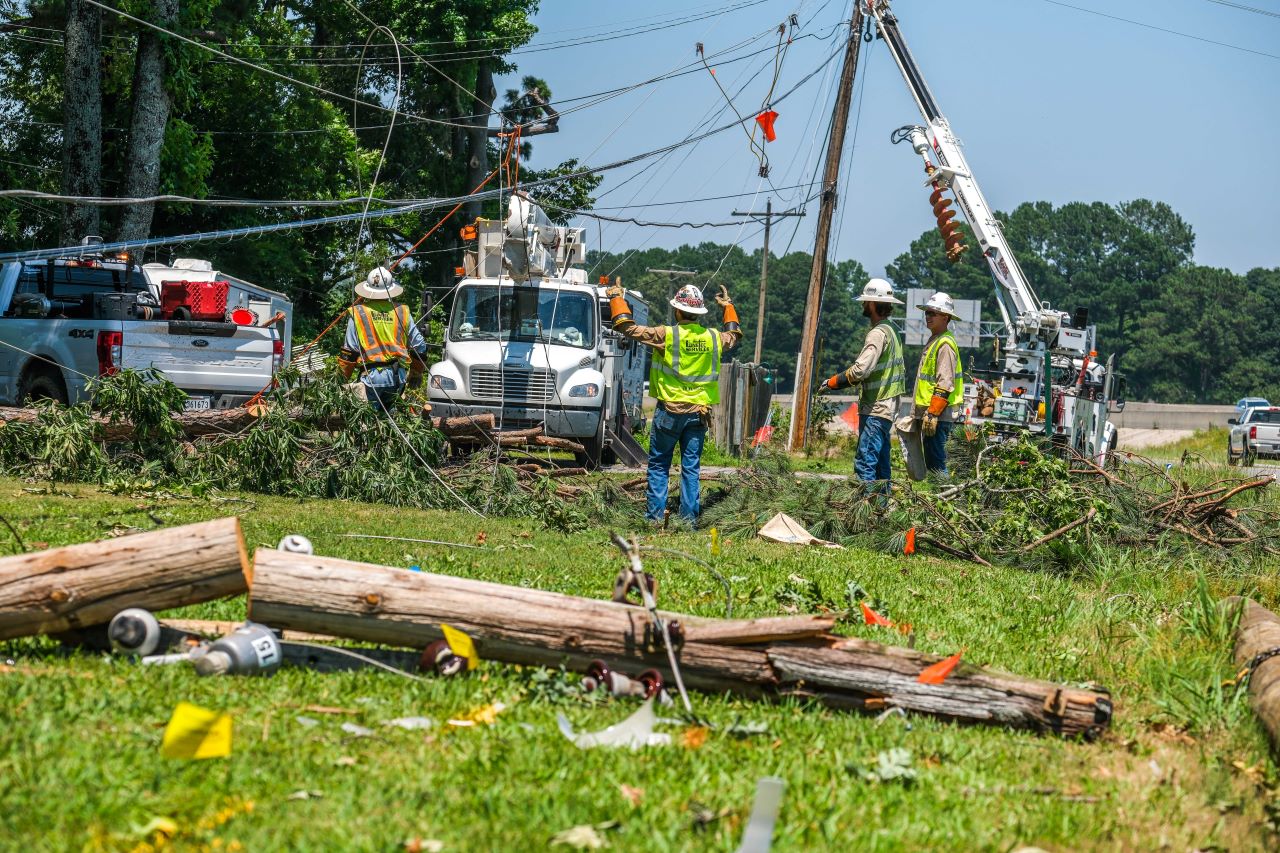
{"x": 1233, "y": 421}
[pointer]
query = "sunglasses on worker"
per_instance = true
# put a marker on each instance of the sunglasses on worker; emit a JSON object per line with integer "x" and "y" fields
{"x": 933, "y": 313}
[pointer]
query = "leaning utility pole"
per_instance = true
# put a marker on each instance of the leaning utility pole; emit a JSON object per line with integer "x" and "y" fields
{"x": 768, "y": 217}
{"x": 817, "y": 276}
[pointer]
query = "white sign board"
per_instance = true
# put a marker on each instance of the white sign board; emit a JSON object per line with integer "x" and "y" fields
{"x": 966, "y": 329}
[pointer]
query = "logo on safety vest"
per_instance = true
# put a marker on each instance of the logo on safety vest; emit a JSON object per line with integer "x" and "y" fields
{"x": 695, "y": 345}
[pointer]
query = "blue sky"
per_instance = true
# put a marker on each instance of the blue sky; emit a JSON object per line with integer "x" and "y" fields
{"x": 1050, "y": 102}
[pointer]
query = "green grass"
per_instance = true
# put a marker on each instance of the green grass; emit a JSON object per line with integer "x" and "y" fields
{"x": 1185, "y": 765}
{"x": 1205, "y": 445}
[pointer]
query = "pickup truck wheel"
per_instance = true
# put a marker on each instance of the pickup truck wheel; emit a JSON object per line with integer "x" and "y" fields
{"x": 1232, "y": 459}
{"x": 42, "y": 385}
{"x": 1250, "y": 458}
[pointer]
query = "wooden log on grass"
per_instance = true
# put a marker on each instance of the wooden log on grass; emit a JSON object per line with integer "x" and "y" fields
{"x": 751, "y": 657}
{"x": 1258, "y": 633}
{"x": 191, "y": 424}
{"x": 877, "y": 677}
{"x": 65, "y": 589}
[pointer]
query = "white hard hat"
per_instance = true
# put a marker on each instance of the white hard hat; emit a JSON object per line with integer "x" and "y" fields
{"x": 941, "y": 303}
{"x": 379, "y": 284}
{"x": 879, "y": 290}
{"x": 689, "y": 300}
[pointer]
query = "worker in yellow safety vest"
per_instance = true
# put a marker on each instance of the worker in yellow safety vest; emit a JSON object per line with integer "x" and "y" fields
{"x": 939, "y": 394}
{"x": 382, "y": 342}
{"x": 880, "y": 377}
{"x": 684, "y": 377}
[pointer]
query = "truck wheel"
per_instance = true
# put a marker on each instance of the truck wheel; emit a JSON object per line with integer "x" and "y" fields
{"x": 1232, "y": 459}
{"x": 593, "y": 453}
{"x": 42, "y": 384}
{"x": 1250, "y": 458}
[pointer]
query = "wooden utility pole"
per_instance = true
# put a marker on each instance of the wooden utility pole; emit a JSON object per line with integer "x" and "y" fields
{"x": 817, "y": 276}
{"x": 768, "y": 217}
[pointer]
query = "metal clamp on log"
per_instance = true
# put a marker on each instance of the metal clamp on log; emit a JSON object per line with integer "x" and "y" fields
{"x": 629, "y": 581}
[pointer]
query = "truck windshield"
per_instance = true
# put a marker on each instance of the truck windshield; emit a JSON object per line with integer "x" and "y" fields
{"x": 489, "y": 313}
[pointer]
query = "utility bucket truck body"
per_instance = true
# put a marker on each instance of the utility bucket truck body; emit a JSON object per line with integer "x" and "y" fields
{"x": 529, "y": 341}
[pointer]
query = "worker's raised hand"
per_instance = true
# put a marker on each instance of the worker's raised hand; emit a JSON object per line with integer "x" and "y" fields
{"x": 722, "y": 298}
{"x": 614, "y": 291}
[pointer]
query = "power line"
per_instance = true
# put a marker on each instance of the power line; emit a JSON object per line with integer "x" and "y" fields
{"x": 1244, "y": 8}
{"x": 1150, "y": 27}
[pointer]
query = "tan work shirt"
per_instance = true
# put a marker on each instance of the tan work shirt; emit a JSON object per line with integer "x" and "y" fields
{"x": 877, "y": 339}
{"x": 946, "y": 365}
{"x": 656, "y": 337}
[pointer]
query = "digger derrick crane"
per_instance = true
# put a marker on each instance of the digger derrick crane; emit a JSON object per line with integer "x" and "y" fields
{"x": 1049, "y": 355}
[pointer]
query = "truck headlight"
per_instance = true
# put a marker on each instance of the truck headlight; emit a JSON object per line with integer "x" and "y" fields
{"x": 444, "y": 383}
{"x": 591, "y": 389}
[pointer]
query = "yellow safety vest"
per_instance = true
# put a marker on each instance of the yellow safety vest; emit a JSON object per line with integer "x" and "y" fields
{"x": 687, "y": 368}
{"x": 383, "y": 331}
{"x": 888, "y": 378}
{"x": 927, "y": 377}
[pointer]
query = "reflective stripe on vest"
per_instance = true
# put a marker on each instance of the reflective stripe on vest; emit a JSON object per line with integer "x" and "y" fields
{"x": 383, "y": 335}
{"x": 927, "y": 378}
{"x": 687, "y": 368}
{"x": 889, "y": 376}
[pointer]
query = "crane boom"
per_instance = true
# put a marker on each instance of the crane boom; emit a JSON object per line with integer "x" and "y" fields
{"x": 1050, "y": 372}
{"x": 1025, "y": 315}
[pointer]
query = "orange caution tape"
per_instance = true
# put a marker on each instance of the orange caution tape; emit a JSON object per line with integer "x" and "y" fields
{"x": 938, "y": 672}
{"x": 909, "y": 547}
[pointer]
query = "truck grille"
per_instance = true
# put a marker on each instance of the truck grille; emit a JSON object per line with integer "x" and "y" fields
{"x": 512, "y": 384}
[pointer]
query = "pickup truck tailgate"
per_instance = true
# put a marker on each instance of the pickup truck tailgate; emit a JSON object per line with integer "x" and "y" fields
{"x": 195, "y": 356}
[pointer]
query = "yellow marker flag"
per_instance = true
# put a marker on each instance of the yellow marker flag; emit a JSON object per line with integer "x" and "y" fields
{"x": 195, "y": 732}
{"x": 715, "y": 542}
{"x": 460, "y": 644}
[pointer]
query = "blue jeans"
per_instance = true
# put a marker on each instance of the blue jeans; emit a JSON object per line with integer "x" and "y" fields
{"x": 668, "y": 430}
{"x": 383, "y": 386}
{"x": 935, "y": 448}
{"x": 872, "y": 461}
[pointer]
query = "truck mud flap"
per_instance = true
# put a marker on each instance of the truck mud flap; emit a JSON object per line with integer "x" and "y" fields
{"x": 627, "y": 449}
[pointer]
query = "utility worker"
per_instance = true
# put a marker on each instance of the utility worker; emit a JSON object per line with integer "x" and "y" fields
{"x": 881, "y": 379}
{"x": 684, "y": 377}
{"x": 939, "y": 382}
{"x": 382, "y": 341}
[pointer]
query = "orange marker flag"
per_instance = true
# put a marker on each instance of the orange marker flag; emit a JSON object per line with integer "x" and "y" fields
{"x": 766, "y": 120}
{"x": 938, "y": 672}
{"x": 909, "y": 547}
{"x": 873, "y": 618}
{"x": 850, "y": 416}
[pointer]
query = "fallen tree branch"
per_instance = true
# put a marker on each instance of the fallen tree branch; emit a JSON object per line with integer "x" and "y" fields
{"x": 1064, "y": 529}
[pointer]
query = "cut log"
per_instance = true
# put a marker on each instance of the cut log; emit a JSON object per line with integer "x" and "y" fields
{"x": 466, "y": 424}
{"x": 751, "y": 657}
{"x": 64, "y": 589}
{"x": 886, "y": 677}
{"x": 192, "y": 424}
{"x": 1258, "y": 632}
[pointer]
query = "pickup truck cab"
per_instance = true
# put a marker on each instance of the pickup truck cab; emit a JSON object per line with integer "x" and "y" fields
{"x": 1255, "y": 434}
{"x": 68, "y": 320}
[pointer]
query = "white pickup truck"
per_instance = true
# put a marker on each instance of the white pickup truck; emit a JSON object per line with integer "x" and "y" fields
{"x": 1255, "y": 433}
{"x": 65, "y": 321}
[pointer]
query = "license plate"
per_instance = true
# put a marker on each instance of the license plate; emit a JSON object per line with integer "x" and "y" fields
{"x": 196, "y": 404}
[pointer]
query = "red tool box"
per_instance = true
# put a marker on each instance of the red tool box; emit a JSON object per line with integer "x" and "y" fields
{"x": 194, "y": 300}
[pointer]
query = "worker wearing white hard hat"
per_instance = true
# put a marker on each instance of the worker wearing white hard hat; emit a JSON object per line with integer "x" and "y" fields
{"x": 382, "y": 341}
{"x": 684, "y": 377}
{"x": 939, "y": 392}
{"x": 880, "y": 377}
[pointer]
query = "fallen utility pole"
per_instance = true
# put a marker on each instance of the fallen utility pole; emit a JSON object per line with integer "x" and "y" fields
{"x": 768, "y": 216}
{"x": 817, "y": 276}
{"x": 757, "y": 658}
{"x": 65, "y": 589}
{"x": 1257, "y": 642}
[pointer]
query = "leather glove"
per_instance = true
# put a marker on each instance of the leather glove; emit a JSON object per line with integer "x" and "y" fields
{"x": 614, "y": 291}
{"x": 830, "y": 385}
{"x": 722, "y": 298}
{"x": 929, "y": 424}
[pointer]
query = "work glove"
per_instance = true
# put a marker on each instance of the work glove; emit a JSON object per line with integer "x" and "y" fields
{"x": 722, "y": 298}
{"x": 829, "y": 385}
{"x": 929, "y": 424}
{"x": 614, "y": 290}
